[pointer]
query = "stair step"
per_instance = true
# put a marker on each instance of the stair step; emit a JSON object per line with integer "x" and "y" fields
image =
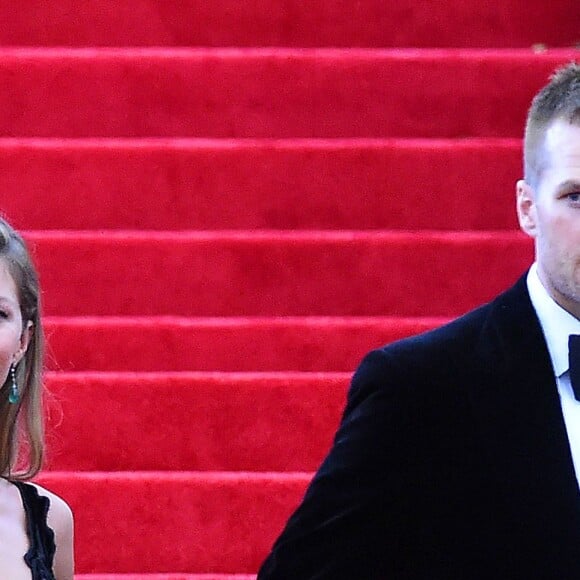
{"x": 221, "y": 344}
{"x": 193, "y": 421}
{"x": 274, "y": 273}
{"x": 288, "y": 23}
{"x": 163, "y": 184}
{"x": 205, "y": 522}
{"x": 165, "y": 576}
{"x": 269, "y": 92}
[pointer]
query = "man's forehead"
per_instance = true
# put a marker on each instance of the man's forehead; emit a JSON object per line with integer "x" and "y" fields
{"x": 562, "y": 135}
{"x": 559, "y": 156}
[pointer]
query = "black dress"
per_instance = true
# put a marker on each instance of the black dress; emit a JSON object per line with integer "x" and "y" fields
{"x": 40, "y": 554}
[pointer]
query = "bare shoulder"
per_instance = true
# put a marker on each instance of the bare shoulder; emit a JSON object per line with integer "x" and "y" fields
{"x": 60, "y": 516}
{"x": 60, "y": 519}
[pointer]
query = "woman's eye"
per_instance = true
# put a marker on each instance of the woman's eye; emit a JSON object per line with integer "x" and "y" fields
{"x": 4, "y": 314}
{"x": 574, "y": 196}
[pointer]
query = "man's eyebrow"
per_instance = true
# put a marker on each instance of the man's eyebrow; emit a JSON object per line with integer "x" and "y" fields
{"x": 569, "y": 184}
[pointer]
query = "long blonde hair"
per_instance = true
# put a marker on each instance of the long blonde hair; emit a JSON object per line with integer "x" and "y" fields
{"x": 21, "y": 424}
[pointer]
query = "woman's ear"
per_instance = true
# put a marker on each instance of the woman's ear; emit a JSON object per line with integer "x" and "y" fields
{"x": 24, "y": 342}
{"x": 526, "y": 208}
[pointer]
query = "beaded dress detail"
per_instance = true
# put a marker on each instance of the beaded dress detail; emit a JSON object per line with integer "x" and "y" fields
{"x": 40, "y": 554}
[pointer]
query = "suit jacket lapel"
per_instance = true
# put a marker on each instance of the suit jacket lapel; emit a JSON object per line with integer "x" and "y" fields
{"x": 518, "y": 410}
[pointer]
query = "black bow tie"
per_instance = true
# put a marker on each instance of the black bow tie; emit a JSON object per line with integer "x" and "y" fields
{"x": 574, "y": 361}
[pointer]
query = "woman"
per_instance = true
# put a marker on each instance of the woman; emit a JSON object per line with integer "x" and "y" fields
{"x": 36, "y": 527}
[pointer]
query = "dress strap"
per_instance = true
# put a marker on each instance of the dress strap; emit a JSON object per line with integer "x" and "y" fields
{"x": 40, "y": 554}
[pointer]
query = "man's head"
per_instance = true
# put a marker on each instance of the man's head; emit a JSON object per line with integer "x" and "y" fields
{"x": 548, "y": 199}
{"x": 558, "y": 100}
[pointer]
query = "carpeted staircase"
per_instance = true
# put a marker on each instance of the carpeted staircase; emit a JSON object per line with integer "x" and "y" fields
{"x": 230, "y": 202}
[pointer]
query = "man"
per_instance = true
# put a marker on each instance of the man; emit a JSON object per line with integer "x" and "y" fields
{"x": 458, "y": 452}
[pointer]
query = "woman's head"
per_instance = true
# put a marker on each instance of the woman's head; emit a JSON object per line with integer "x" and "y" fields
{"x": 21, "y": 357}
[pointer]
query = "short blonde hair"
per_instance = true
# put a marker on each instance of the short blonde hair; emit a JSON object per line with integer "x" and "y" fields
{"x": 23, "y": 422}
{"x": 558, "y": 100}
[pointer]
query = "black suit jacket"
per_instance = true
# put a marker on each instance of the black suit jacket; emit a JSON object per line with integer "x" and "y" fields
{"x": 451, "y": 462}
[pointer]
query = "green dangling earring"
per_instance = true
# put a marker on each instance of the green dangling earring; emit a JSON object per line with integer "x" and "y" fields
{"x": 14, "y": 395}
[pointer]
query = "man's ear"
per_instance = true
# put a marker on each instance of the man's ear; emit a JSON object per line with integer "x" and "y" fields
{"x": 526, "y": 208}
{"x": 24, "y": 342}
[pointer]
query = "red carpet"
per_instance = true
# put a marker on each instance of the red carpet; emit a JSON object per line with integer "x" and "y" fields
{"x": 259, "y": 184}
{"x": 165, "y": 576}
{"x": 157, "y": 343}
{"x": 273, "y": 273}
{"x": 372, "y": 23}
{"x": 265, "y": 93}
{"x": 167, "y": 521}
{"x": 230, "y": 203}
{"x": 233, "y": 421}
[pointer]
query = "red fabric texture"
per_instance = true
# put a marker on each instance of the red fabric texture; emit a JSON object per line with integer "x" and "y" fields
{"x": 165, "y": 576}
{"x": 222, "y": 233}
{"x": 194, "y": 421}
{"x": 274, "y": 274}
{"x": 259, "y": 184}
{"x": 269, "y": 92}
{"x": 374, "y": 23}
{"x": 176, "y": 521}
{"x": 309, "y": 344}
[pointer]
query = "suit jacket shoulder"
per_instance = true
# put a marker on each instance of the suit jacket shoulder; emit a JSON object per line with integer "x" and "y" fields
{"x": 481, "y": 340}
{"x": 437, "y": 460}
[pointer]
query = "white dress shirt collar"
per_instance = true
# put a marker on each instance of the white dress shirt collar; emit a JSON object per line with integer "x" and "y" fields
{"x": 557, "y": 324}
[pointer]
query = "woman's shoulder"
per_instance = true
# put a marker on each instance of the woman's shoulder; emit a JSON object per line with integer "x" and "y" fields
{"x": 59, "y": 513}
{"x": 60, "y": 520}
